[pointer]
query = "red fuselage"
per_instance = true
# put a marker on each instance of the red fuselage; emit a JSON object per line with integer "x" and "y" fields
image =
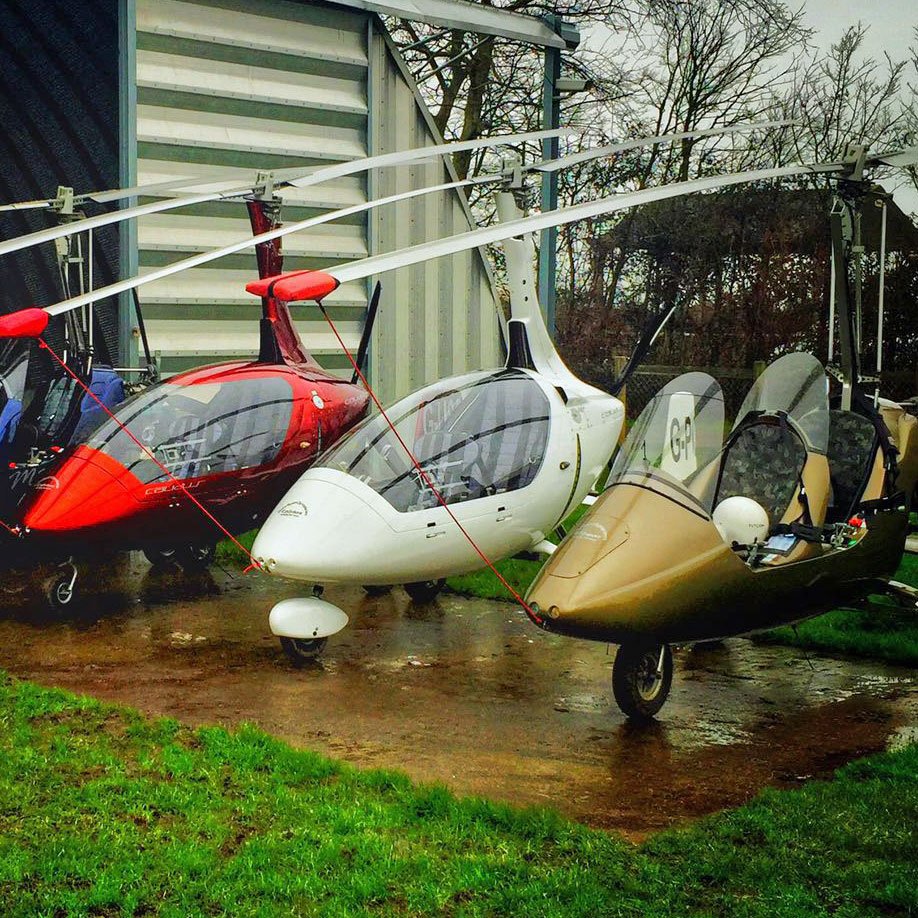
{"x": 236, "y": 435}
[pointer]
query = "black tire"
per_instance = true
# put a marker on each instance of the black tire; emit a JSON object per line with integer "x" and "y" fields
{"x": 302, "y": 650}
{"x": 424, "y": 590}
{"x": 161, "y": 557}
{"x": 639, "y": 689}
{"x": 60, "y": 593}
{"x": 189, "y": 557}
{"x": 197, "y": 557}
{"x": 376, "y": 590}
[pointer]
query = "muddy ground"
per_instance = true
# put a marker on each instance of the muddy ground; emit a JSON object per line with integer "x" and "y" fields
{"x": 465, "y": 692}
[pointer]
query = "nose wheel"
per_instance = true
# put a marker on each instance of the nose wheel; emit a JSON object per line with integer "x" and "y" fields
{"x": 641, "y": 678}
{"x": 61, "y": 588}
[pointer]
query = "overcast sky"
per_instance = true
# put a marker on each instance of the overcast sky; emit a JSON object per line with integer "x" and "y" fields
{"x": 892, "y": 22}
{"x": 892, "y": 30}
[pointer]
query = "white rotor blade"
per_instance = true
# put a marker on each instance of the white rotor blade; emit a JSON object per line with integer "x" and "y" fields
{"x": 424, "y": 251}
{"x": 202, "y": 258}
{"x": 205, "y": 257}
{"x": 291, "y": 174}
{"x": 575, "y": 158}
{"x": 300, "y": 177}
{"x": 899, "y": 158}
{"x": 390, "y": 261}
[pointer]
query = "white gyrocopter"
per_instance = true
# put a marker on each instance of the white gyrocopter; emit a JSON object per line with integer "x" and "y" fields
{"x": 468, "y": 470}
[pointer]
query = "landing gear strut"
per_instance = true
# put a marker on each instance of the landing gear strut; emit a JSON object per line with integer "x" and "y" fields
{"x": 641, "y": 678}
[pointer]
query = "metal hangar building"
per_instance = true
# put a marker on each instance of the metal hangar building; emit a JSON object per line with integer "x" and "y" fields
{"x": 117, "y": 93}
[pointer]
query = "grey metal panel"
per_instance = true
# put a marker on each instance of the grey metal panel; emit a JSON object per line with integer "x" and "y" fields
{"x": 265, "y": 25}
{"x": 424, "y": 330}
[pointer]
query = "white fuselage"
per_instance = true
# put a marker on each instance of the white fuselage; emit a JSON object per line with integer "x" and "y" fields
{"x": 333, "y": 527}
{"x": 514, "y": 451}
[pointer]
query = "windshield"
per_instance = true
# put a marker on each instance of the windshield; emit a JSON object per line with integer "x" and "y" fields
{"x": 14, "y": 365}
{"x": 475, "y": 436}
{"x": 200, "y": 429}
{"x": 675, "y": 443}
{"x": 796, "y": 384}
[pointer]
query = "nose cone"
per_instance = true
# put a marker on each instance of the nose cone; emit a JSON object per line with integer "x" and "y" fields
{"x": 329, "y": 527}
{"x": 88, "y": 489}
{"x": 637, "y": 565}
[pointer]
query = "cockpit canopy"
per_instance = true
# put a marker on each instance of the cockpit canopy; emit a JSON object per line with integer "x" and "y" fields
{"x": 676, "y": 446}
{"x": 200, "y": 429}
{"x": 795, "y": 384}
{"x": 474, "y": 436}
{"x": 675, "y": 441}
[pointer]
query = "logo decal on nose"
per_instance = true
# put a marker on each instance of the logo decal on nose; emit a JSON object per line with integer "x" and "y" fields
{"x": 295, "y": 509}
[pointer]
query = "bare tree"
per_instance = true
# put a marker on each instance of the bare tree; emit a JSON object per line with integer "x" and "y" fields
{"x": 843, "y": 97}
{"x": 713, "y": 63}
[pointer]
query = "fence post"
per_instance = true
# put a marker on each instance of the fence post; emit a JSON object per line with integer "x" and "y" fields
{"x": 618, "y": 367}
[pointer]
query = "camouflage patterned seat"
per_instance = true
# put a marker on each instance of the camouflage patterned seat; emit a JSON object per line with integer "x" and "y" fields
{"x": 763, "y": 462}
{"x": 852, "y": 447}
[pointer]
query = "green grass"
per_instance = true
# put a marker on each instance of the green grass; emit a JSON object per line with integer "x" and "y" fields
{"x": 103, "y": 812}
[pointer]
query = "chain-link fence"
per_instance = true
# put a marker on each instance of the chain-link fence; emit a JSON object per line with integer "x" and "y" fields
{"x": 647, "y": 380}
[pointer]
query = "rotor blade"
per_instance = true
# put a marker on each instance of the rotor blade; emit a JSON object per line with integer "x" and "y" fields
{"x": 898, "y": 158}
{"x": 227, "y": 182}
{"x": 386, "y": 159}
{"x": 26, "y": 205}
{"x": 203, "y": 258}
{"x": 296, "y": 176}
{"x": 390, "y": 261}
{"x": 575, "y": 158}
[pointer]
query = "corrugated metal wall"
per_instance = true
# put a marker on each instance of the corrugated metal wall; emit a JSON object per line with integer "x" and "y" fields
{"x": 258, "y": 84}
{"x": 437, "y": 318}
{"x": 270, "y": 83}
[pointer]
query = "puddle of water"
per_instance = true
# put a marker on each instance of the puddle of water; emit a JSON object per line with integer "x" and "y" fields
{"x": 468, "y": 693}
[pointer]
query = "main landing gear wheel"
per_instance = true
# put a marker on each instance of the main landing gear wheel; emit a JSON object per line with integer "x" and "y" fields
{"x": 61, "y": 588}
{"x": 641, "y": 678}
{"x": 424, "y": 590}
{"x": 302, "y": 650}
{"x": 197, "y": 557}
{"x": 190, "y": 557}
{"x": 376, "y": 590}
{"x": 161, "y": 557}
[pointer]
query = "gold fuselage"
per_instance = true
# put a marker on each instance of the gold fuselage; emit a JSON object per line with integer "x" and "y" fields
{"x": 642, "y": 564}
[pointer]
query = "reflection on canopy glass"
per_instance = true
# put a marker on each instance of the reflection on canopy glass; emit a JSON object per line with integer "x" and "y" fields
{"x": 200, "y": 429}
{"x": 675, "y": 443}
{"x": 797, "y": 385}
{"x": 479, "y": 435}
